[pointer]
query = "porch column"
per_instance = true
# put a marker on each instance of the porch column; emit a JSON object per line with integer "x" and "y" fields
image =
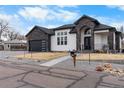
{"x": 92, "y": 40}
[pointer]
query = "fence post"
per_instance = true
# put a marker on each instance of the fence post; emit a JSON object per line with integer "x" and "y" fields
{"x": 89, "y": 58}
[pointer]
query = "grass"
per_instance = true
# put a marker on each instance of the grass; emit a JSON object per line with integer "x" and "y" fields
{"x": 42, "y": 55}
{"x": 100, "y": 57}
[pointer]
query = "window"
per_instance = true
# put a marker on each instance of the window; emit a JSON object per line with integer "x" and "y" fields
{"x": 65, "y": 33}
{"x": 62, "y": 38}
{"x": 58, "y": 40}
{"x": 61, "y": 33}
{"x": 65, "y": 40}
{"x": 62, "y": 41}
{"x": 87, "y": 32}
{"x": 58, "y": 33}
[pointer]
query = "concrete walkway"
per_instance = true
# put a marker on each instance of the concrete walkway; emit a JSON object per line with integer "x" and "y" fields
{"x": 55, "y": 61}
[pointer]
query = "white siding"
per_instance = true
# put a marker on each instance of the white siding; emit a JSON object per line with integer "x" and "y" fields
{"x": 71, "y": 41}
{"x": 100, "y": 39}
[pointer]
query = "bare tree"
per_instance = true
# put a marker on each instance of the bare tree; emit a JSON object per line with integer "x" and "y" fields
{"x": 21, "y": 37}
{"x": 4, "y": 27}
{"x": 11, "y": 35}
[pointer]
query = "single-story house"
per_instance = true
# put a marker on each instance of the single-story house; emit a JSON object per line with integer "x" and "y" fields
{"x": 86, "y": 33}
{"x": 1, "y": 45}
{"x": 15, "y": 45}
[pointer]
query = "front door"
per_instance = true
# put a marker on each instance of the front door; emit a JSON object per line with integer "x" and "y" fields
{"x": 87, "y": 43}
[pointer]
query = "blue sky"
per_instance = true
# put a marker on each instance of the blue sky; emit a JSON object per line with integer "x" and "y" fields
{"x": 23, "y": 18}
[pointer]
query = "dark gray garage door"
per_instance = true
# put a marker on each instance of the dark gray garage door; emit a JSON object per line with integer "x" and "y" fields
{"x": 37, "y": 45}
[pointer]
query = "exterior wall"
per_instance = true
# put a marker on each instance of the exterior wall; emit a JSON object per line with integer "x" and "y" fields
{"x": 36, "y": 34}
{"x": 71, "y": 41}
{"x": 7, "y": 47}
{"x": 100, "y": 39}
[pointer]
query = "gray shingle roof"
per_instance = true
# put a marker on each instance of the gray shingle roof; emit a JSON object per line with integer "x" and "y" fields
{"x": 46, "y": 30}
{"x": 85, "y": 16}
{"x": 65, "y": 26}
{"x": 102, "y": 27}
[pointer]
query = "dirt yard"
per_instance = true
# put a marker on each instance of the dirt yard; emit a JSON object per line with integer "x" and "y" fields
{"x": 100, "y": 57}
{"x": 42, "y": 55}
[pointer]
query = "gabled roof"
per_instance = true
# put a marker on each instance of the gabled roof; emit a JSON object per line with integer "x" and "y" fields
{"x": 102, "y": 27}
{"x": 88, "y": 17}
{"x": 65, "y": 26}
{"x": 46, "y": 30}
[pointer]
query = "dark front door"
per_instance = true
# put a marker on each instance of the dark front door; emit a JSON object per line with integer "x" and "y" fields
{"x": 87, "y": 43}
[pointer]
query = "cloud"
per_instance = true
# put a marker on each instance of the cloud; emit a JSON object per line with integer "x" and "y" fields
{"x": 67, "y": 6}
{"x": 14, "y": 22}
{"x": 33, "y": 12}
{"x": 120, "y": 7}
{"x": 46, "y": 13}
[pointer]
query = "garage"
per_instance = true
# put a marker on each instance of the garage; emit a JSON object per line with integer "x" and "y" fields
{"x": 37, "y": 45}
{"x": 39, "y": 39}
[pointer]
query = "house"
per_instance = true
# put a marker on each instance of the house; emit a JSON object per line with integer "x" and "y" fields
{"x": 86, "y": 33}
{"x": 1, "y": 45}
{"x": 15, "y": 45}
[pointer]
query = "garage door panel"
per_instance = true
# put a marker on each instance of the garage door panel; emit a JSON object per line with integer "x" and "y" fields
{"x": 38, "y": 45}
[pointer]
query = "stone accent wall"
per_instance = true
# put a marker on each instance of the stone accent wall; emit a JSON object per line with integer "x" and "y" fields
{"x": 36, "y": 34}
{"x": 117, "y": 40}
{"x": 79, "y": 28}
{"x": 110, "y": 40}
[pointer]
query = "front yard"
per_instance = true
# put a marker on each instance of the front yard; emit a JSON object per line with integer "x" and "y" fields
{"x": 42, "y": 55}
{"x": 101, "y": 57}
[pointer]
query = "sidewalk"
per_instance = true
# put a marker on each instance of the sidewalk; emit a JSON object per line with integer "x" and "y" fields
{"x": 55, "y": 61}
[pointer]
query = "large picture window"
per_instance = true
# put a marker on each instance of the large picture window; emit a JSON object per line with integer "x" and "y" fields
{"x": 62, "y": 38}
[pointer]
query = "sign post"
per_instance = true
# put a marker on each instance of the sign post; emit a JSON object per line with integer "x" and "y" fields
{"x": 89, "y": 58}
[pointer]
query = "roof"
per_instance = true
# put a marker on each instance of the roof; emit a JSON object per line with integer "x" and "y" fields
{"x": 65, "y": 26}
{"x": 85, "y": 16}
{"x": 102, "y": 27}
{"x": 15, "y": 42}
{"x": 46, "y": 30}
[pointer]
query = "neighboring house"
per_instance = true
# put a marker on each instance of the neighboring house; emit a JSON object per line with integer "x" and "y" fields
{"x": 15, "y": 45}
{"x": 1, "y": 47}
{"x": 86, "y": 33}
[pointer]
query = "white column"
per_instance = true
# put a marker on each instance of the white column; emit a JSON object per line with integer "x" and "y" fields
{"x": 120, "y": 44}
{"x": 114, "y": 40}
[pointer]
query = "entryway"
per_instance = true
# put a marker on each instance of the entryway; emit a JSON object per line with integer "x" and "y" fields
{"x": 87, "y": 43}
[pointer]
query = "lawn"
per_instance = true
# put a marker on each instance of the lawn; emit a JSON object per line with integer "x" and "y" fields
{"x": 42, "y": 55}
{"x": 100, "y": 57}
